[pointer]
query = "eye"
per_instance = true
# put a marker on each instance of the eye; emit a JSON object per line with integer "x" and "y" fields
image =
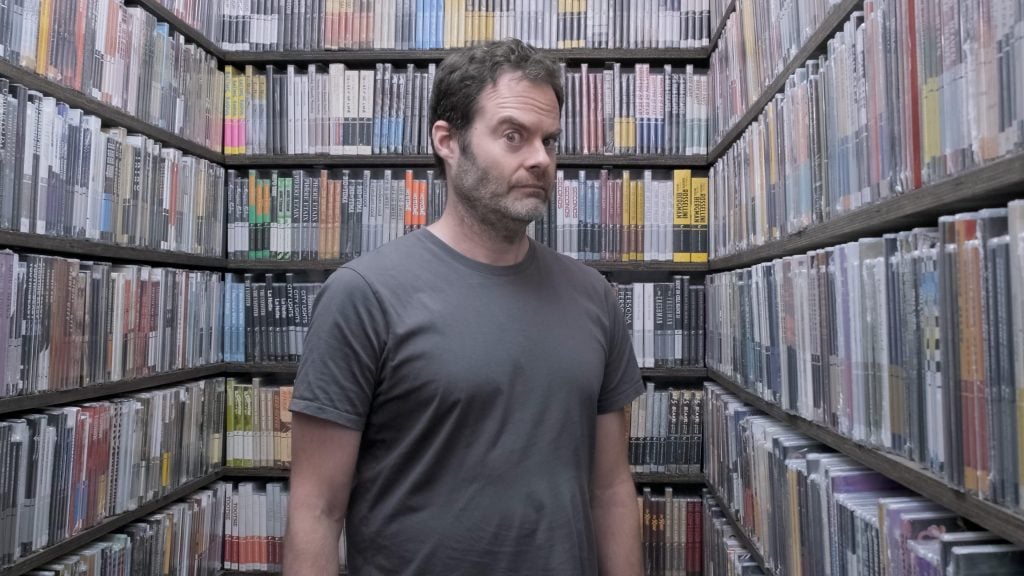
{"x": 513, "y": 137}
{"x": 551, "y": 142}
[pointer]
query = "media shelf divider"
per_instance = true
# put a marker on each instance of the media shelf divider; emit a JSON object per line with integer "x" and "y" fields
{"x": 755, "y": 552}
{"x": 230, "y": 472}
{"x": 670, "y": 373}
{"x": 108, "y": 114}
{"x": 109, "y": 525}
{"x": 81, "y": 248}
{"x": 325, "y": 265}
{"x": 25, "y": 403}
{"x": 286, "y": 368}
{"x": 178, "y": 25}
{"x": 427, "y": 161}
{"x": 289, "y": 368}
{"x": 696, "y": 479}
{"x": 721, "y": 26}
{"x": 668, "y": 479}
{"x": 999, "y": 520}
{"x": 817, "y": 44}
{"x": 571, "y": 56}
{"x": 986, "y": 185}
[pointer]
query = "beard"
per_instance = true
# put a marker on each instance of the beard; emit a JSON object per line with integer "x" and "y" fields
{"x": 492, "y": 201}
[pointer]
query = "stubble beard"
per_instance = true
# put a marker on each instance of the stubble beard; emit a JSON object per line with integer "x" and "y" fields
{"x": 488, "y": 201}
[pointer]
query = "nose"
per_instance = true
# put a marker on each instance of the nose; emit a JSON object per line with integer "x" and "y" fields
{"x": 539, "y": 157}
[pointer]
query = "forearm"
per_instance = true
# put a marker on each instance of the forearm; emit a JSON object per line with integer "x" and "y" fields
{"x": 617, "y": 528}
{"x": 311, "y": 544}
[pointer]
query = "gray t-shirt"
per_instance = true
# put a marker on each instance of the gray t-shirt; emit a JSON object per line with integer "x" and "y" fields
{"x": 477, "y": 389}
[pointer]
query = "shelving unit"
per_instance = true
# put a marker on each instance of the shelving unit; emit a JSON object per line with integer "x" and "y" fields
{"x": 741, "y": 534}
{"x": 815, "y": 46}
{"x": 33, "y": 561}
{"x": 997, "y": 519}
{"x": 721, "y": 25}
{"x": 80, "y": 247}
{"x": 108, "y": 114}
{"x": 111, "y": 116}
{"x": 46, "y": 399}
{"x": 986, "y": 185}
{"x": 178, "y": 25}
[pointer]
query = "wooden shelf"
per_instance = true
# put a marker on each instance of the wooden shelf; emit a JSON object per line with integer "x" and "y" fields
{"x": 46, "y": 399}
{"x": 323, "y": 265}
{"x": 638, "y": 477}
{"x": 180, "y": 26}
{"x": 254, "y": 368}
{"x": 78, "y": 247}
{"x": 999, "y": 520}
{"x": 108, "y": 114}
{"x": 755, "y": 552}
{"x": 661, "y": 478}
{"x": 231, "y": 472}
{"x": 427, "y": 161}
{"x": 284, "y": 265}
{"x": 572, "y": 56}
{"x": 678, "y": 267}
{"x": 109, "y": 525}
{"x": 327, "y": 160}
{"x": 289, "y": 368}
{"x": 668, "y": 373}
{"x": 985, "y": 186}
{"x": 721, "y": 26}
{"x": 817, "y": 44}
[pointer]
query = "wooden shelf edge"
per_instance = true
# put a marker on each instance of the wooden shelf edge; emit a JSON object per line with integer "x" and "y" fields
{"x": 999, "y": 520}
{"x": 755, "y": 552}
{"x": 998, "y": 181}
{"x": 256, "y": 368}
{"x": 323, "y": 265}
{"x": 108, "y": 114}
{"x": 600, "y": 55}
{"x": 815, "y": 45}
{"x": 109, "y": 525}
{"x": 16, "y": 404}
{"x": 292, "y": 367}
{"x": 180, "y": 26}
{"x": 680, "y": 267}
{"x": 698, "y": 161}
{"x": 327, "y": 160}
{"x": 721, "y": 26}
{"x": 269, "y": 473}
{"x": 80, "y": 247}
{"x": 681, "y": 372}
{"x": 696, "y": 479}
{"x": 283, "y": 265}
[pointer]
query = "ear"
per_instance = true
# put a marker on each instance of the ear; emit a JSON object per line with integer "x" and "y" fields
{"x": 445, "y": 143}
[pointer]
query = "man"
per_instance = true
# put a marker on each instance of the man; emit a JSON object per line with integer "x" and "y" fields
{"x": 461, "y": 393}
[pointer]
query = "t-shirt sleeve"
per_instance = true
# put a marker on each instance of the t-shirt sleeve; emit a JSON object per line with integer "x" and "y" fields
{"x": 343, "y": 352}
{"x": 622, "y": 380}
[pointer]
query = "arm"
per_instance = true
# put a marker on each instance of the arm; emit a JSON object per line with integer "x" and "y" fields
{"x": 613, "y": 501}
{"x": 320, "y": 487}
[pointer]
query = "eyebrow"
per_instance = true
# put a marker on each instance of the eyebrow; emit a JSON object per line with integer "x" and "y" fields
{"x": 509, "y": 120}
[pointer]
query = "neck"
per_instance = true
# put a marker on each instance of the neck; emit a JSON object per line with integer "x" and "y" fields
{"x": 497, "y": 244}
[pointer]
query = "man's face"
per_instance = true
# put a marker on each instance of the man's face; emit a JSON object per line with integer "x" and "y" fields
{"x": 506, "y": 167}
